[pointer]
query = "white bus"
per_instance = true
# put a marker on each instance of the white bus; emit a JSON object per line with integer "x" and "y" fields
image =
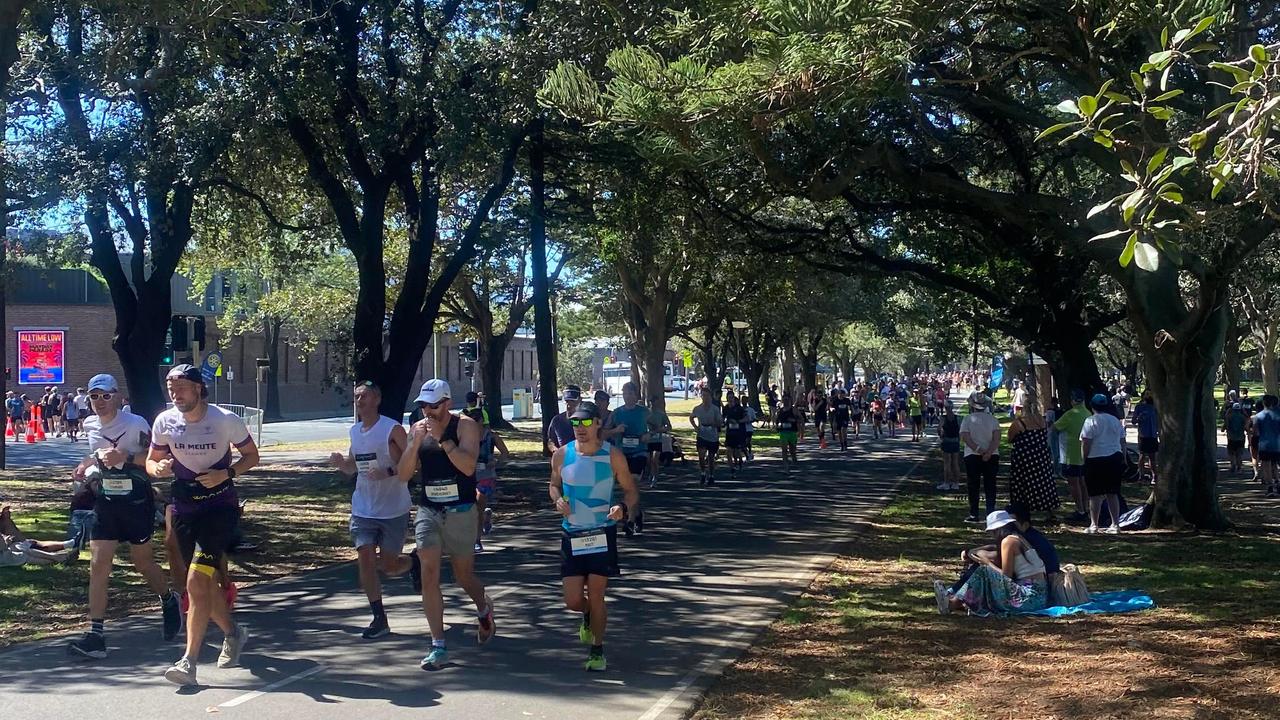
{"x": 618, "y": 374}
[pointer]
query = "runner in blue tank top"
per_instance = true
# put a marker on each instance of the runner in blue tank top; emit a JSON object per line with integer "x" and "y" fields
{"x": 583, "y": 474}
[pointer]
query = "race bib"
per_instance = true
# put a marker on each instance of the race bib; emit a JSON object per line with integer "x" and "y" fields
{"x": 630, "y": 442}
{"x": 445, "y": 493}
{"x": 596, "y": 542}
{"x": 733, "y": 426}
{"x": 786, "y": 426}
{"x": 366, "y": 462}
{"x": 480, "y": 466}
{"x": 117, "y": 486}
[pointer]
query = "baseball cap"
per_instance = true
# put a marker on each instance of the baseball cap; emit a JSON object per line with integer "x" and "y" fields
{"x": 433, "y": 391}
{"x": 1100, "y": 400}
{"x": 585, "y": 410}
{"x": 981, "y": 401}
{"x": 185, "y": 372}
{"x": 572, "y": 392}
{"x": 998, "y": 519}
{"x": 103, "y": 381}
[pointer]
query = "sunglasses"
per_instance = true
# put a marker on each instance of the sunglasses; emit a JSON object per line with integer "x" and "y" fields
{"x": 582, "y": 422}
{"x": 101, "y": 396}
{"x": 430, "y": 406}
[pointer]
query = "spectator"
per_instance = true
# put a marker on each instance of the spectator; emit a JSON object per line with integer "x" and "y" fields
{"x": 13, "y": 405}
{"x": 1233, "y": 424}
{"x": 980, "y": 434}
{"x": 1031, "y": 480}
{"x": 1148, "y": 422}
{"x": 1010, "y": 580}
{"x": 1266, "y": 425}
{"x": 1068, "y": 427}
{"x": 1102, "y": 441}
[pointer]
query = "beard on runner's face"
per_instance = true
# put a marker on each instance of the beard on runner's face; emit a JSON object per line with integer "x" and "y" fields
{"x": 185, "y": 394}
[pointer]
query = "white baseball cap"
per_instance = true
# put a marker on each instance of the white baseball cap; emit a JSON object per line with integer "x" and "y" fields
{"x": 433, "y": 391}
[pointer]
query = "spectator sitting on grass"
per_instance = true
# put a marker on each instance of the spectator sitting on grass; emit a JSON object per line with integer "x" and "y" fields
{"x": 1011, "y": 580}
{"x": 17, "y": 549}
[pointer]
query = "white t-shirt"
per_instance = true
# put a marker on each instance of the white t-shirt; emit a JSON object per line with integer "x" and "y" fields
{"x": 129, "y": 433}
{"x": 1105, "y": 434}
{"x": 751, "y": 419}
{"x": 196, "y": 448}
{"x": 981, "y": 426}
{"x": 82, "y": 402}
{"x": 708, "y": 418}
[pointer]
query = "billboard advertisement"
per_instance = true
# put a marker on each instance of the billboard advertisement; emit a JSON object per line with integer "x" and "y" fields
{"x": 40, "y": 356}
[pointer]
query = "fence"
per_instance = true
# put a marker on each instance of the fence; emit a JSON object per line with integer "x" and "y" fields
{"x": 252, "y": 417}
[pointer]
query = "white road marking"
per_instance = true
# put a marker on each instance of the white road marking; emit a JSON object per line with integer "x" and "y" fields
{"x": 273, "y": 686}
{"x": 737, "y": 641}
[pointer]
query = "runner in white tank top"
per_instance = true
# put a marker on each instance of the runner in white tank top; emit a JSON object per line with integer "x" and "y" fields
{"x": 380, "y": 503}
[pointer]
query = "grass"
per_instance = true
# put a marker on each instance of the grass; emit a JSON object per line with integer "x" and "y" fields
{"x": 865, "y": 640}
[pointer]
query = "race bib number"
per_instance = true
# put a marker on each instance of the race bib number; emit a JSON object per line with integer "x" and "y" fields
{"x": 445, "y": 493}
{"x": 117, "y": 486}
{"x": 366, "y": 462}
{"x": 786, "y": 426}
{"x": 596, "y": 542}
{"x": 630, "y": 442}
{"x": 733, "y": 426}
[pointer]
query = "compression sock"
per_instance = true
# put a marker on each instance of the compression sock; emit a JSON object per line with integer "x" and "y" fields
{"x": 376, "y": 607}
{"x": 95, "y": 625}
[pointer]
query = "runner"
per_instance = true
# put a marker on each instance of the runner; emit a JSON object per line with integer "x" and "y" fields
{"x": 559, "y": 432}
{"x": 445, "y": 448}
{"x": 949, "y": 440}
{"x": 752, "y": 417}
{"x": 891, "y": 412}
{"x": 840, "y": 417}
{"x": 486, "y": 474}
{"x": 71, "y": 415}
{"x": 915, "y": 408}
{"x": 707, "y": 420}
{"x": 856, "y": 408}
{"x": 659, "y": 436}
{"x": 380, "y": 503}
{"x": 1266, "y": 425}
{"x": 191, "y": 442}
{"x": 820, "y": 408}
{"x": 628, "y": 428}
{"x": 583, "y": 475}
{"x": 735, "y": 434}
{"x": 877, "y": 417}
{"x": 1233, "y": 425}
{"x": 788, "y": 424}
{"x": 124, "y": 508}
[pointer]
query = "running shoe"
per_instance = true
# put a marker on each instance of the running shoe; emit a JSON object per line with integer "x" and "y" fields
{"x": 1092, "y": 530}
{"x": 89, "y": 645}
{"x": 172, "y": 616}
{"x": 182, "y": 673}
{"x": 232, "y": 645}
{"x": 596, "y": 663}
{"x": 435, "y": 659}
{"x": 971, "y": 519}
{"x": 584, "y": 634}
{"x": 940, "y": 594}
{"x": 415, "y": 572}
{"x": 378, "y": 628}
{"x": 478, "y": 547}
{"x": 944, "y": 486}
{"x": 1113, "y": 530}
{"x": 485, "y": 627}
{"x": 488, "y": 521}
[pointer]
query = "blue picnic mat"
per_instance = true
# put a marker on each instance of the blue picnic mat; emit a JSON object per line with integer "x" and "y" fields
{"x": 1108, "y": 602}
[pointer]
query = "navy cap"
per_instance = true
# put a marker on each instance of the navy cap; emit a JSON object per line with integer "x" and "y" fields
{"x": 185, "y": 372}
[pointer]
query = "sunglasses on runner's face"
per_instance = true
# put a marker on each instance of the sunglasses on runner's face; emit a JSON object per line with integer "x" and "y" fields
{"x": 582, "y": 422}
{"x": 101, "y": 396}
{"x": 430, "y": 406}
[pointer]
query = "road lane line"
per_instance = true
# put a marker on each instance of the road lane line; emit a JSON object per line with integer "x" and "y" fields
{"x": 273, "y": 686}
{"x": 735, "y": 642}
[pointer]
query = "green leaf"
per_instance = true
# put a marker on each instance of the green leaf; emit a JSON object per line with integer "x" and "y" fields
{"x": 1138, "y": 83}
{"x": 1118, "y": 97}
{"x": 1104, "y": 140}
{"x": 1160, "y": 112}
{"x": 1200, "y": 27}
{"x": 1147, "y": 257}
{"x": 1173, "y": 197}
{"x": 1182, "y": 161}
{"x": 1105, "y": 87}
{"x": 1128, "y": 167}
{"x": 1108, "y": 235}
{"x": 1164, "y": 38}
{"x": 1258, "y": 53}
{"x": 1126, "y": 255}
{"x": 1088, "y": 105}
{"x": 1053, "y": 129}
{"x": 1164, "y": 78}
{"x": 1181, "y": 35}
{"x": 1166, "y": 96}
{"x": 1218, "y": 185}
{"x": 1068, "y": 106}
{"x": 1159, "y": 58}
{"x": 1219, "y": 110}
{"x": 1102, "y": 207}
{"x": 1157, "y": 160}
{"x": 1238, "y": 73}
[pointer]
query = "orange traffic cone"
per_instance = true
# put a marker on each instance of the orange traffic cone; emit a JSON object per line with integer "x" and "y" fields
{"x": 31, "y": 434}
{"x": 39, "y": 423}
{"x": 8, "y": 428}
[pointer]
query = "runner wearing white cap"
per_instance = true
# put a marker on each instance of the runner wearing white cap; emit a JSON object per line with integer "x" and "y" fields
{"x": 445, "y": 448}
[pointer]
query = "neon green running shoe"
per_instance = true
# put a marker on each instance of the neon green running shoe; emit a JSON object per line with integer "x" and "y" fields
{"x": 584, "y": 634}
{"x": 596, "y": 663}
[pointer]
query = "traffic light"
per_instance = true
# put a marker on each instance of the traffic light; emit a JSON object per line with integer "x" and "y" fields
{"x": 470, "y": 370}
{"x": 468, "y": 350}
{"x": 178, "y": 335}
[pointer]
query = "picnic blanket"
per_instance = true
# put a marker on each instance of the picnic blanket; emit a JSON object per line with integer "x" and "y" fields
{"x": 1102, "y": 603}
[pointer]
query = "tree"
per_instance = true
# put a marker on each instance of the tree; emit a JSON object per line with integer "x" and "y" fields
{"x": 402, "y": 98}
{"x": 140, "y": 160}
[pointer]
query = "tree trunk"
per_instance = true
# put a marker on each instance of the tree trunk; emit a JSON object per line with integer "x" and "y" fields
{"x": 1071, "y": 361}
{"x": 493, "y": 355}
{"x": 9, "y": 15}
{"x": 789, "y": 370}
{"x": 1231, "y": 361}
{"x": 543, "y": 328}
{"x": 653, "y": 387}
{"x": 1181, "y": 366}
{"x": 271, "y": 342}
{"x": 1267, "y": 361}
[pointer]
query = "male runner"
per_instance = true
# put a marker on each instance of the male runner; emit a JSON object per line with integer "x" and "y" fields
{"x": 486, "y": 474}
{"x": 659, "y": 431}
{"x": 1266, "y": 425}
{"x": 856, "y": 404}
{"x": 628, "y": 428}
{"x": 446, "y": 448}
{"x": 788, "y": 424}
{"x": 583, "y": 475}
{"x": 380, "y": 503}
{"x": 707, "y": 420}
{"x": 841, "y": 412}
{"x": 191, "y": 442}
{"x": 915, "y": 408}
{"x": 124, "y": 505}
{"x": 559, "y": 432}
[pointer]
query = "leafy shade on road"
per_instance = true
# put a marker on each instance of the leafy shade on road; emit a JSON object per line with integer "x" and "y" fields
{"x": 867, "y": 642}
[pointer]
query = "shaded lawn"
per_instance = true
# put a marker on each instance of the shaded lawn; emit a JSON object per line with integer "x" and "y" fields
{"x": 297, "y": 515}
{"x": 866, "y": 641}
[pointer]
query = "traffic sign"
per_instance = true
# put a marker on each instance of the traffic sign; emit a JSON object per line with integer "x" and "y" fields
{"x": 687, "y": 356}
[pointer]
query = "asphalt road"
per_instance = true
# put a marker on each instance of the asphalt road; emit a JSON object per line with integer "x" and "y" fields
{"x": 713, "y": 568}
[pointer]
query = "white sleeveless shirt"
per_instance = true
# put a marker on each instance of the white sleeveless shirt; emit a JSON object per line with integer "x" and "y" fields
{"x": 377, "y": 499}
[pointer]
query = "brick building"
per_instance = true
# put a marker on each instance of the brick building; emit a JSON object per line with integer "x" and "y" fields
{"x": 75, "y": 301}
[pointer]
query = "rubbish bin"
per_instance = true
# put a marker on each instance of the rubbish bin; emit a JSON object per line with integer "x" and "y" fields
{"x": 519, "y": 403}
